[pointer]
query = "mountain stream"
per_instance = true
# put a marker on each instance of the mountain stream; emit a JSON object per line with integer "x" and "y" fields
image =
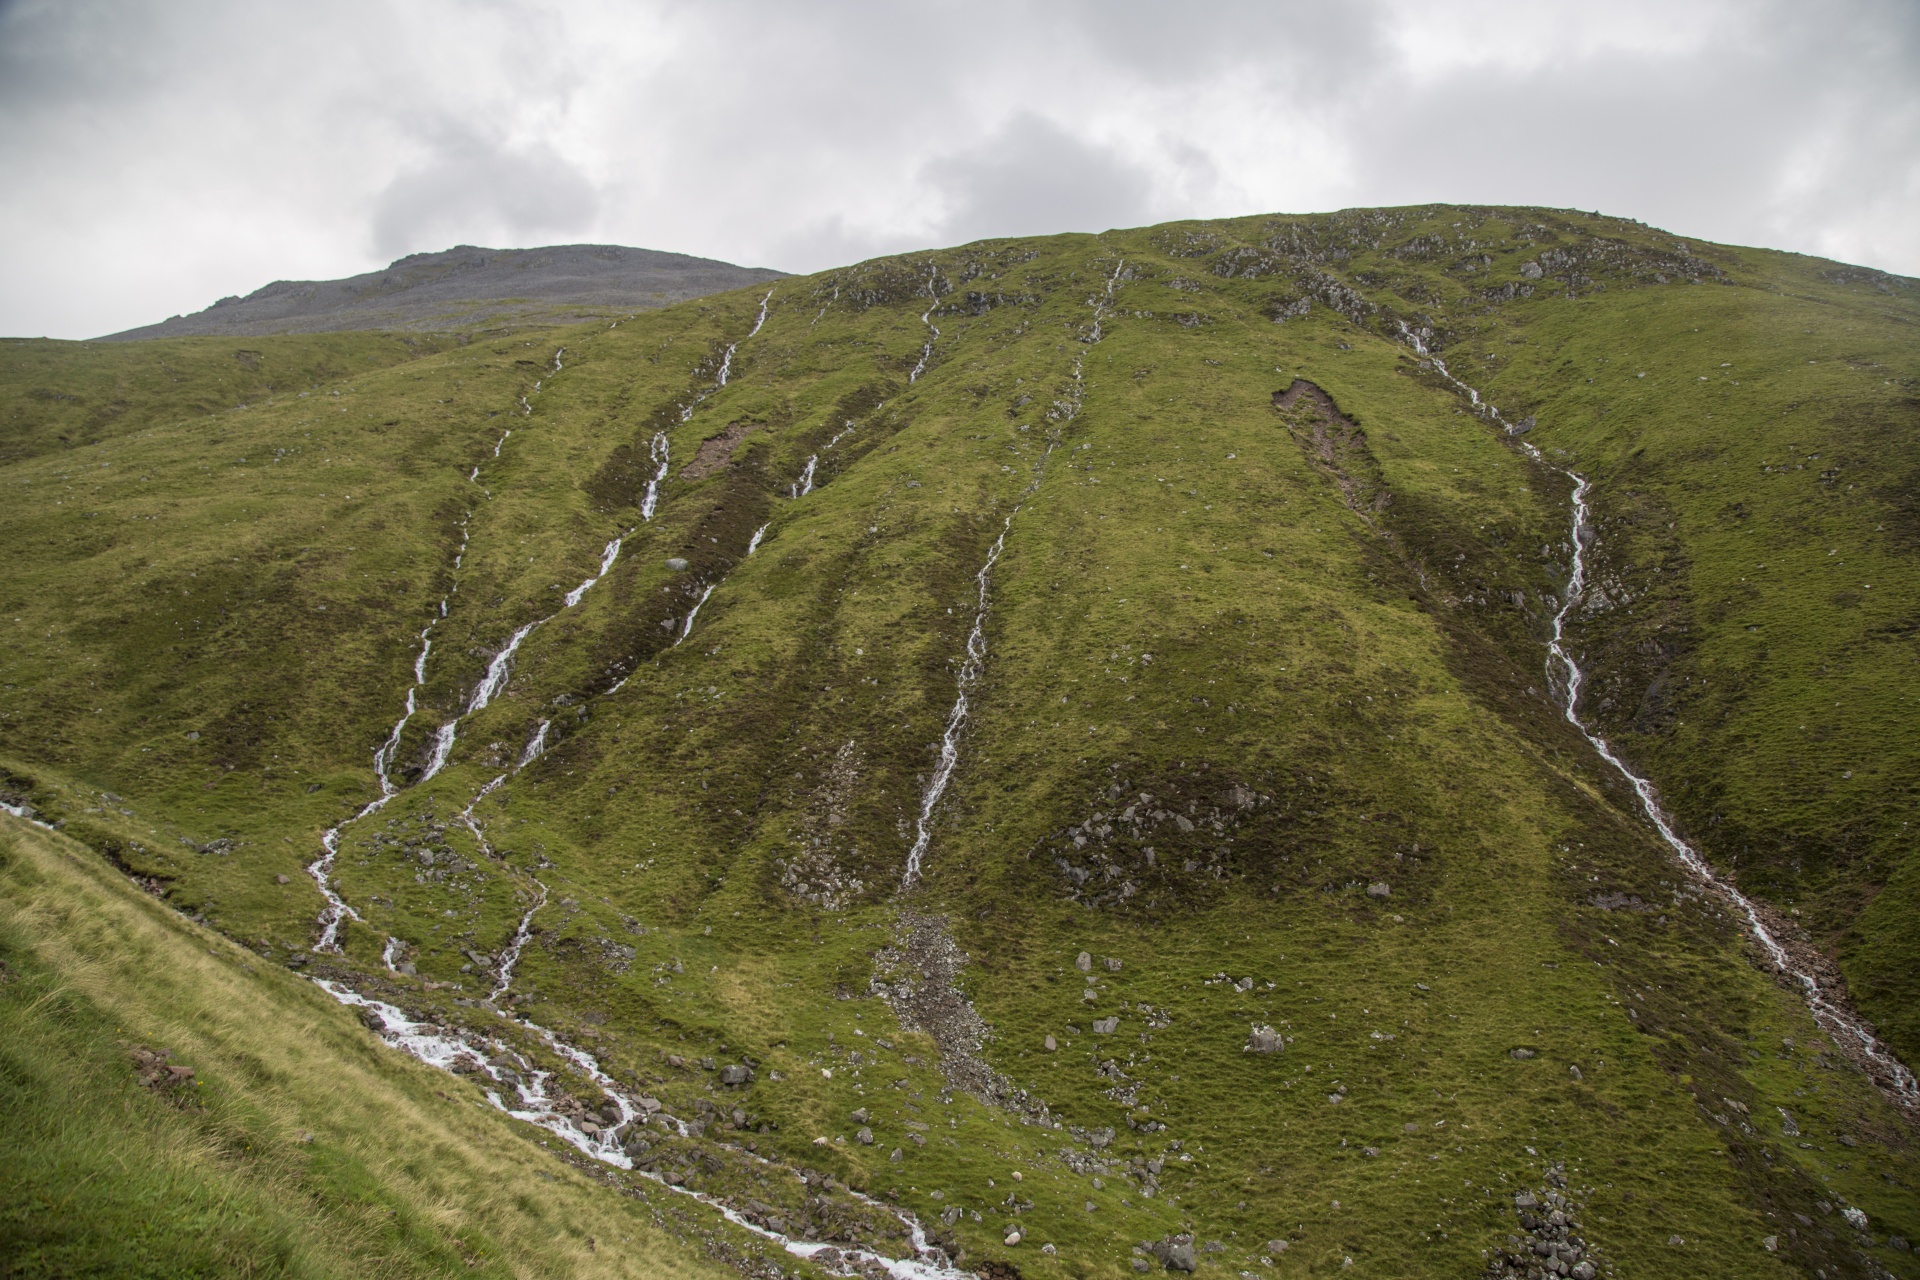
{"x": 1564, "y": 671}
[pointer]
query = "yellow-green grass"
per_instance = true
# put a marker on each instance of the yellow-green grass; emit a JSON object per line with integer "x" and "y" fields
{"x": 302, "y": 1147}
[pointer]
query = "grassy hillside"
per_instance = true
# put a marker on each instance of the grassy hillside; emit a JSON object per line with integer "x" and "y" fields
{"x": 270, "y": 1138}
{"x": 1257, "y": 722}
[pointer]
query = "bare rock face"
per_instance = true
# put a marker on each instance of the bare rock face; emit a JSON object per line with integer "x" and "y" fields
{"x": 466, "y": 288}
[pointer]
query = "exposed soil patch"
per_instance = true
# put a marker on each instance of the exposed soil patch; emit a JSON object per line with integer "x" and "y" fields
{"x": 716, "y": 452}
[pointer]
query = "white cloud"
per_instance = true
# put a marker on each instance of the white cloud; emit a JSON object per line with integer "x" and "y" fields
{"x": 162, "y": 154}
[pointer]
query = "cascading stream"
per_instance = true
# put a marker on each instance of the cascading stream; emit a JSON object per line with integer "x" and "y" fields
{"x": 1842, "y": 1024}
{"x": 976, "y": 650}
{"x": 520, "y": 1090}
{"x": 804, "y": 485}
{"x": 933, "y": 333}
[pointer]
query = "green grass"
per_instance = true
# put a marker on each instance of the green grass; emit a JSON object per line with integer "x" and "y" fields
{"x": 299, "y": 1147}
{"x": 1316, "y": 698}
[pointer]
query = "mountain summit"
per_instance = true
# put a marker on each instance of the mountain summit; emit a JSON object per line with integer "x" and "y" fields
{"x": 467, "y": 287}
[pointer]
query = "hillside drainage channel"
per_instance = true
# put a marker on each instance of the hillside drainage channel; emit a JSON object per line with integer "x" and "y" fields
{"x": 1848, "y": 1031}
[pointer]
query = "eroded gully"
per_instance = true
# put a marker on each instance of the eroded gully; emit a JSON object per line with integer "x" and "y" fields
{"x": 1564, "y": 671}
{"x": 512, "y": 1083}
{"x": 919, "y": 976}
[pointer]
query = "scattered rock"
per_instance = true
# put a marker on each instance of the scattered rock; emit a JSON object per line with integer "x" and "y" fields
{"x": 1575, "y": 1073}
{"x": 676, "y": 564}
{"x": 1770, "y": 1243}
{"x": 1265, "y": 1040}
{"x": 1379, "y": 889}
{"x": 1176, "y": 1253}
{"x": 864, "y": 1136}
{"x": 1083, "y": 962}
{"x": 1051, "y": 1044}
{"x": 1113, "y": 965}
{"x": 736, "y": 1074}
{"x": 1520, "y": 1053}
{"x": 1531, "y": 270}
{"x": 860, "y": 1117}
{"x": 283, "y": 879}
{"x": 1105, "y": 1026}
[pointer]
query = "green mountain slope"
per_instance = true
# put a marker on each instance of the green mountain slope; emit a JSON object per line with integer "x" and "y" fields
{"x": 1257, "y": 889}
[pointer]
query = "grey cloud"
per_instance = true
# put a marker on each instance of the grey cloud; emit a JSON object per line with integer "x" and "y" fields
{"x": 475, "y": 192}
{"x": 164, "y": 152}
{"x": 1032, "y": 177}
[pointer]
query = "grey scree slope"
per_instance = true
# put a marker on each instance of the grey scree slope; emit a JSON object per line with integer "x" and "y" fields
{"x": 465, "y": 287}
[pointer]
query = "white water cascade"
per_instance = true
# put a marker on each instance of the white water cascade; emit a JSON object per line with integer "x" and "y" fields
{"x": 976, "y": 650}
{"x": 762, "y": 318}
{"x": 753, "y": 543}
{"x": 1838, "y": 1022}
{"x": 650, "y": 500}
{"x": 804, "y": 485}
{"x": 926, "y": 352}
{"x": 957, "y": 717}
{"x": 518, "y": 1088}
{"x": 686, "y": 628}
{"x": 607, "y": 558}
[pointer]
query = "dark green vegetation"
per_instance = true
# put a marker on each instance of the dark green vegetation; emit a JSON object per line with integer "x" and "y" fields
{"x": 1245, "y": 659}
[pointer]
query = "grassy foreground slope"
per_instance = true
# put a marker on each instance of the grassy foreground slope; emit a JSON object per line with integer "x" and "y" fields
{"x": 1258, "y": 722}
{"x": 291, "y": 1146}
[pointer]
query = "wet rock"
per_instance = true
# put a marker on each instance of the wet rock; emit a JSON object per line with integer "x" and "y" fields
{"x": 1380, "y": 890}
{"x": 1265, "y": 1040}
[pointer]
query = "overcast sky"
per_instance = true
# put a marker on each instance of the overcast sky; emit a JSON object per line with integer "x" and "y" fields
{"x": 158, "y": 155}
